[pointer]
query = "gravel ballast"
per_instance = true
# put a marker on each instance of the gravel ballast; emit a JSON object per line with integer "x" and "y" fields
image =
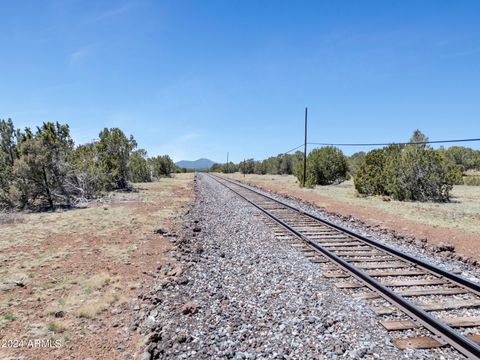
{"x": 435, "y": 255}
{"x": 241, "y": 293}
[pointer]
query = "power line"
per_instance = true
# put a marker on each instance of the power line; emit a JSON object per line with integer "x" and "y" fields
{"x": 289, "y": 151}
{"x": 398, "y": 143}
{"x": 382, "y": 144}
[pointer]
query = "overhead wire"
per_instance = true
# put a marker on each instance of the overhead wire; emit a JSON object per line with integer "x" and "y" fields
{"x": 289, "y": 151}
{"x": 395, "y": 143}
{"x": 384, "y": 143}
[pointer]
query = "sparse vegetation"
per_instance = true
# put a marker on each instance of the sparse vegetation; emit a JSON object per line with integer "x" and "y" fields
{"x": 472, "y": 180}
{"x": 412, "y": 172}
{"x": 56, "y": 327}
{"x": 97, "y": 281}
{"x": 459, "y": 214}
{"x": 43, "y": 169}
{"x": 84, "y": 260}
{"x": 92, "y": 309}
{"x": 7, "y": 217}
{"x": 9, "y": 317}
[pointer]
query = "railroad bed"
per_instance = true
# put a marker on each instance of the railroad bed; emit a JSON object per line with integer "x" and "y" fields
{"x": 423, "y": 305}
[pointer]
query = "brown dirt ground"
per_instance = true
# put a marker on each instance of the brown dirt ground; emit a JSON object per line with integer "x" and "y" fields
{"x": 465, "y": 242}
{"x": 86, "y": 263}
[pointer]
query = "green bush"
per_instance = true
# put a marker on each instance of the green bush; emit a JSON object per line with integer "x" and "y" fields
{"x": 8, "y": 155}
{"x": 355, "y": 161}
{"x": 230, "y": 167}
{"x": 216, "y": 168}
{"x": 370, "y": 175}
{"x": 138, "y": 169}
{"x": 162, "y": 166}
{"x": 419, "y": 174}
{"x": 282, "y": 164}
{"x": 325, "y": 166}
{"x": 247, "y": 166}
{"x": 413, "y": 172}
{"x": 89, "y": 178}
{"x": 43, "y": 169}
{"x": 42, "y": 176}
{"x": 113, "y": 152}
{"x": 466, "y": 157}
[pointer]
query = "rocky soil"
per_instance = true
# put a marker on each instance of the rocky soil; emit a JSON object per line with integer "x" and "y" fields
{"x": 237, "y": 292}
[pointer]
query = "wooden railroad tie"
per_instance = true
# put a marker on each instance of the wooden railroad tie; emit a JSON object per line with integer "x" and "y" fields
{"x": 457, "y": 304}
{"x": 421, "y": 342}
{"x": 421, "y": 292}
{"x": 462, "y": 321}
{"x": 393, "y": 283}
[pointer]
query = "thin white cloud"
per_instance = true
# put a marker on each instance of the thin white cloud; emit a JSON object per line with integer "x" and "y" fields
{"x": 112, "y": 12}
{"x": 80, "y": 55}
{"x": 462, "y": 53}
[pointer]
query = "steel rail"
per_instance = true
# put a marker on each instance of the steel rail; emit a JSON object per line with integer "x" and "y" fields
{"x": 463, "y": 344}
{"x": 470, "y": 285}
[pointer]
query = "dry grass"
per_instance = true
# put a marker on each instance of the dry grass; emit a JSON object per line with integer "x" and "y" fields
{"x": 96, "y": 282}
{"x": 82, "y": 261}
{"x": 92, "y": 308}
{"x": 119, "y": 252}
{"x": 7, "y": 218}
{"x": 463, "y": 212}
{"x": 7, "y": 318}
{"x": 57, "y": 327}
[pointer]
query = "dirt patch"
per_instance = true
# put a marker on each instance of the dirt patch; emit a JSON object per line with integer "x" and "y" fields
{"x": 68, "y": 278}
{"x": 464, "y": 238}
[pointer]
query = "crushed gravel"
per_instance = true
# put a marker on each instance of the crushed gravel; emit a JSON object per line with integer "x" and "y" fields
{"x": 241, "y": 293}
{"x": 441, "y": 255}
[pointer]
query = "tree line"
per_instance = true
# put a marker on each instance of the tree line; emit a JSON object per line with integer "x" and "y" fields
{"x": 412, "y": 171}
{"x": 44, "y": 169}
{"x": 282, "y": 164}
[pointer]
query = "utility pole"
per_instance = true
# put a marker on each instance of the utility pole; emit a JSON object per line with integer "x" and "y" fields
{"x": 226, "y": 167}
{"x": 305, "y": 151}
{"x": 244, "y": 168}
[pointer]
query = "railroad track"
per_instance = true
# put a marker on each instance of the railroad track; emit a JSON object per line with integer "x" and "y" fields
{"x": 407, "y": 292}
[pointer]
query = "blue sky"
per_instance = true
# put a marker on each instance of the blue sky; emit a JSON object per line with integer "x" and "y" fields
{"x": 200, "y": 78}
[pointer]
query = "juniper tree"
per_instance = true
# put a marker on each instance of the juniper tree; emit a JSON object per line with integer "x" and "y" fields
{"x": 326, "y": 165}
{"x": 414, "y": 172}
{"x": 161, "y": 166}
{"x": 138, "y": 169}
{"x": 8, "y": 155}
{"x": 113, "y": 151}
{"x": 41, "y": 170}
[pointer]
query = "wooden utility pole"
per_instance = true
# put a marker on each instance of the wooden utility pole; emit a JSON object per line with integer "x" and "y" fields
{"x": 305, "y": 151}
{"x": 226, "y": 168}
{"x": 244, "y": 168}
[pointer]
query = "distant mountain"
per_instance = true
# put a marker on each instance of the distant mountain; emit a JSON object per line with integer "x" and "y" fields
{"x": 200, "y": 164}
